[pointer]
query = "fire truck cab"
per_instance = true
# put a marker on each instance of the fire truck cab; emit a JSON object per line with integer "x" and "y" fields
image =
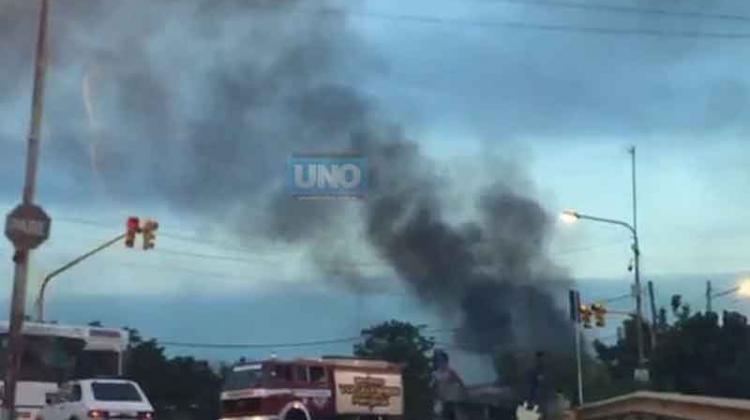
{"x": 313, "y": 389}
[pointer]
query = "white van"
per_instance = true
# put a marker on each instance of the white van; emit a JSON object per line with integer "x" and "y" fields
{"x": 97, "y": 399}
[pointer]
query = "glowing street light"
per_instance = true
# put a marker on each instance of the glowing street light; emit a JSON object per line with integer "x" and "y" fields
{"x": 743, "y": 289}
{"x": 571, "y": 216}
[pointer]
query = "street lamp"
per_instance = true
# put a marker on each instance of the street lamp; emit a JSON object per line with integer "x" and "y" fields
{"x": 570, "y": 216}
{"x": 743, "y": 290}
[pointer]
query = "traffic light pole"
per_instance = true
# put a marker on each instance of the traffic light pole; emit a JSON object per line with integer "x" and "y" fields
{"x": 640, "y": 370}
{"x": 578, "y": 362}
{"x": 72, "y": 263}
{"x": 21, "y": 256}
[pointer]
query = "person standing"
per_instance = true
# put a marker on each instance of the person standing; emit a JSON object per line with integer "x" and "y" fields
{"x": 449, "y": 388}
{"x": 539, "y": 387}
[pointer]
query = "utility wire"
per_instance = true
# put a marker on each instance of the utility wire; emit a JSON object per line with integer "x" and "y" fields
{"x": 597, "y": 7}
{"x": 259, "y": 346}
{"x": 549, "y": 27}
{"x": 276, "y": 345}
{"x": 167, "y": 234}
{"x": 526, "y": 25}
{"x": 561, "y": 4}
{"x": 616, "y": 298}
{"x": 264, "y": 259}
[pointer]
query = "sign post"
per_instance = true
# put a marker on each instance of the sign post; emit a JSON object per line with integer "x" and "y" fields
{"x": 27, "y": 226}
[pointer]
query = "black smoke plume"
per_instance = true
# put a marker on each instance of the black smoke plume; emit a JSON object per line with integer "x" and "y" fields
{"x": 491, "y": 275}
{"x": 200, "y": 103}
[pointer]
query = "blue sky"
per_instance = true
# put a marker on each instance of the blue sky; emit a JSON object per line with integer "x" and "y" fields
{"x": 553, "y": 112}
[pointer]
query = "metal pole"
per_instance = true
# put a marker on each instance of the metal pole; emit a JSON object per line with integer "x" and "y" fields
{"x": 653, "y": 314}
{"x": 638, "y": 304}
{"x": 636, "y": 258}
{"x": 21, "y": 257}
{"x": 632, "y": 176}
{"x": 52, "y": 275}
{"x": 578, "y": 361}
{"x": 709, "y": 305}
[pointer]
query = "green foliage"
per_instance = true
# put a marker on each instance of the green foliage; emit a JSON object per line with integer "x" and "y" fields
{"x": 700, "y": 355}
{"x": 179, "y": 388}
{"x": 621, "y": 359}
{"x": 401, "y": 342}
{"x": 697, "y": 354}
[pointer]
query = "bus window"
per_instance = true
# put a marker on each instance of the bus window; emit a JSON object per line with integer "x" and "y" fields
{"x": 317, "y": 374}
{"x": 97, "y": 363}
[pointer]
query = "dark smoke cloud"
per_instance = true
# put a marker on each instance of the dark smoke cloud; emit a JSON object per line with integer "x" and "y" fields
{"x": 491, "y": 274}
{"x": 200, "y": 103}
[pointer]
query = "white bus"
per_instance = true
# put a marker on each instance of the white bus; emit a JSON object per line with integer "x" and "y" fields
{"x": 55, "y": 353}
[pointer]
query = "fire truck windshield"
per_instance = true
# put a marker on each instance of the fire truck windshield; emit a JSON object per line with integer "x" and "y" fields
{"x": 244, "y": 376}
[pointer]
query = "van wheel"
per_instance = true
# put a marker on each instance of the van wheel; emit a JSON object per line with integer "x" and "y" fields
{"x": 295, "y": 415}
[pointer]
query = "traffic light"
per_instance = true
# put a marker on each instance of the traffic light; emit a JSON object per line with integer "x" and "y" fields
{"x": 149, "y": 233}
{"x": 132, "y": 227}
{"x": 599, "y": 313}
{"x": 585, "y": 316}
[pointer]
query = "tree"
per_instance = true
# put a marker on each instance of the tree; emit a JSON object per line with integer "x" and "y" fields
{"x": 179, "y": 388}
{"x": 698, "y": 354}
{"x": 403, "y": 343}
{"x": 621, "y": 359}
{"x": 561, "y": 370}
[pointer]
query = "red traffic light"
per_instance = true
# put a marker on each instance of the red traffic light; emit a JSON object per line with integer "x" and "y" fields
{"x": 133, "y": 224}
{"x": 132, "y": 228}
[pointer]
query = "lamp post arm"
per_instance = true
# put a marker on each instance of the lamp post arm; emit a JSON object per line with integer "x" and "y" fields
{"x": 75, "y": 261}
{"x": 626, "y": 225}
{"x": 726, "y": 292}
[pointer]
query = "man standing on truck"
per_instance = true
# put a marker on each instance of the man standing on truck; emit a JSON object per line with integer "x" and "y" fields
{"x": 449, "y": 388}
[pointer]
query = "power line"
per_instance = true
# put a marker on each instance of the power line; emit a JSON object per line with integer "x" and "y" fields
{"x": 616, "y": 298}
{"x": 588, "y": 248}
{"x": 259, "y": 346}
{"x": 525, "y": 25}
{"x": 167, "y": 234}
{"x": 264, "y": 259}
{"x": 628, "y": 10}
{"x": 276, "y": 345}
{"x": 216, "y": 257}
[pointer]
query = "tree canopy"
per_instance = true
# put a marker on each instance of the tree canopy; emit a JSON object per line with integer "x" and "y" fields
{"x": 699, "y": 353}
{"x": 404, "y": 343}
{"x": 178, "y": 387}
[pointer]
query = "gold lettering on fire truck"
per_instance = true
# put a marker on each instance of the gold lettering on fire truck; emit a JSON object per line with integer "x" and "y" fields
{"x": 370, "y": 392}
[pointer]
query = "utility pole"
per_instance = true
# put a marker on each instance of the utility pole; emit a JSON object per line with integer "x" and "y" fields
{"x": 654, "y": 321}
{"x": 578, "y": 363}
{"x": 641, "y": 371}
{"x": 709, "y": 293}
{"x": 26, "y": 226}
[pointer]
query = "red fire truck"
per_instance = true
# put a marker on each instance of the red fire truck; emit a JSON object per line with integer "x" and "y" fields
{"x": 313, "y": 389}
